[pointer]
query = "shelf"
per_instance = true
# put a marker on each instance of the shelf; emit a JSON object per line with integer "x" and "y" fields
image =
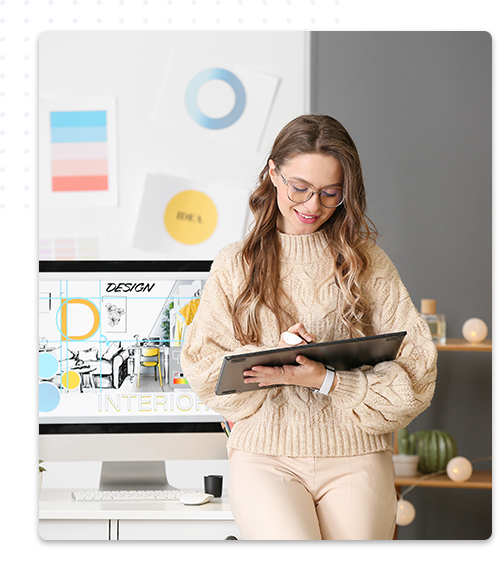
{"x": 463, "y": 345}
{"x": 478, "y": 480}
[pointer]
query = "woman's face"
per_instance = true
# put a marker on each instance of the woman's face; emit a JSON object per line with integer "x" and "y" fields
{"x": 317, "y": 171}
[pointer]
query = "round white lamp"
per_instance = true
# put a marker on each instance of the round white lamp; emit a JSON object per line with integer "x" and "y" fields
{"x": 459, "y": 469}
{"x": 474, "y": 330}
{"x": 405, "y": 512}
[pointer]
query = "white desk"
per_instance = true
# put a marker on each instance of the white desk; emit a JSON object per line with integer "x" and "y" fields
{"x": 62, "y": 518}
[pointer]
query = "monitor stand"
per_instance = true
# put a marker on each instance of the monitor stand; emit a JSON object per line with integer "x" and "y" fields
{"x": 127, "y": 476}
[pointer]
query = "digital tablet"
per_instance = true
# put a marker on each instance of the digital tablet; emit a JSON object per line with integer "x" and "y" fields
{"x": 342, "y": 355}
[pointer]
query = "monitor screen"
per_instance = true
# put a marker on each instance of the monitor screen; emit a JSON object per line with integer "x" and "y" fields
{"x": 110, "y": 338}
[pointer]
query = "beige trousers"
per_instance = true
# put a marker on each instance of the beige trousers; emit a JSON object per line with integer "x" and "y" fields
{"x": 346, "y": 498}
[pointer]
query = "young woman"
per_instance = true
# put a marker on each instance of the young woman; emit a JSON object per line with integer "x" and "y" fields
{"x": 310, "y": 459}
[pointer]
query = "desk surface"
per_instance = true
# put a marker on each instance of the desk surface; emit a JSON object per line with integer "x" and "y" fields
{"x": 58, "y": 504}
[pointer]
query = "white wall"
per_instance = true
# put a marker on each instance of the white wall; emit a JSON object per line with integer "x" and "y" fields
{"x": 131, "y": 67}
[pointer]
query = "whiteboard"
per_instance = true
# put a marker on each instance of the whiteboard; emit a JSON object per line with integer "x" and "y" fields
{"x": 181, "y": 126}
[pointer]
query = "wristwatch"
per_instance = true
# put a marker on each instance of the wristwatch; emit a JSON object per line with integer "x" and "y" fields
{"x": 327, "y": 382}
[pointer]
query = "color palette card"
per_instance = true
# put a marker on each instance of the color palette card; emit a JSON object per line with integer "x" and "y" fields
{"x": 78, "y": 153}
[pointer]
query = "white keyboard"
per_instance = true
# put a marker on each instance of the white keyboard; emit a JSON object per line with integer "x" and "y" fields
{"x": 163, "y": 495}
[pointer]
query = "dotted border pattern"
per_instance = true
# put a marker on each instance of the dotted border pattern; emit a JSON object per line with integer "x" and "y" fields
{"x": 22, "y": 21}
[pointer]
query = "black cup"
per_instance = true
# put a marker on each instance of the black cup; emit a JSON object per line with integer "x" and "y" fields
{"x": 213, "y": 485}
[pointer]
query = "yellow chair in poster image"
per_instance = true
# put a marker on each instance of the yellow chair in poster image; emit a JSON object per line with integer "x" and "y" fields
{"x": 150, "y": 357}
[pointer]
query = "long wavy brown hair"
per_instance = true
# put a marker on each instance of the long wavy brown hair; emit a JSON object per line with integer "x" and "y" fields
{"x": 346, "y": 232}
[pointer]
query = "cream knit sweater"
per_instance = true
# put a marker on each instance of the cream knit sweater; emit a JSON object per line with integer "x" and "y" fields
{"x": 365, "y": 406}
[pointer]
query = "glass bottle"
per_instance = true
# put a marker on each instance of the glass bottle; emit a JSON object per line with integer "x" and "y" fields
{"x": 436, "y": 322}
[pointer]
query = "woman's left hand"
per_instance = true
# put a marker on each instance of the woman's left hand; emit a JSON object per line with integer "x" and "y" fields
{"x": 307, "y": 372}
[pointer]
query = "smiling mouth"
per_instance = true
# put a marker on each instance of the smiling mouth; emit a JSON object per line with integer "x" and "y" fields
{"x": 307, "y": 217}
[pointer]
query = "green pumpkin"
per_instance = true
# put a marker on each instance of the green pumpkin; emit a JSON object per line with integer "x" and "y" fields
{"x": 435, "y": 448}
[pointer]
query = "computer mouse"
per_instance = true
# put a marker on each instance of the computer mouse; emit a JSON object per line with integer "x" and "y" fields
{"x": 196, "y": 498}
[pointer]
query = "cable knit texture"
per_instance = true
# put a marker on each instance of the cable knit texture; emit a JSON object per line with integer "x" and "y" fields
{"x": 366, "y": 405}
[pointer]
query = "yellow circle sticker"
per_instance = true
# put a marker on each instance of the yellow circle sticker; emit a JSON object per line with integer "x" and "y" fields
{"x": 70, "y": 380}
{"x": 190, "y": 217}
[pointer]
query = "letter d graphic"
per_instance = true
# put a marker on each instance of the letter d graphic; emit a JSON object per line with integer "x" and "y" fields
{"x": 64, "y": 319}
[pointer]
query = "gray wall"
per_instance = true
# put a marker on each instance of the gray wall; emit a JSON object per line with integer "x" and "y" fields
{"x": 418, "y": 106}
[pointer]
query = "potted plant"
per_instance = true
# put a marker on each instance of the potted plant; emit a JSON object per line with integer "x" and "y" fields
{"x": 41, "y": 470}
{"x": 406, "y": 461}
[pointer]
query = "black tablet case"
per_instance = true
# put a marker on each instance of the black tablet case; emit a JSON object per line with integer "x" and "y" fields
{"x": 342, "y": 355}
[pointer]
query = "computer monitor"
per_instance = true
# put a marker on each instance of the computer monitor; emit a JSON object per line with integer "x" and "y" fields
{"x": 111, "y": 386}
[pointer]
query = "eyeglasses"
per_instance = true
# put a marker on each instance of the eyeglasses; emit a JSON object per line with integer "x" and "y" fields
{"x": 299, "y": 192}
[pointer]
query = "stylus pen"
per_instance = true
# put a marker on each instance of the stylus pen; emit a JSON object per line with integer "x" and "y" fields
{"x": 308, "y": 342}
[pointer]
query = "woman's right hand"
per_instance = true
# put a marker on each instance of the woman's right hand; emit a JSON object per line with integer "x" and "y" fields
{"x": 299, "y": 330}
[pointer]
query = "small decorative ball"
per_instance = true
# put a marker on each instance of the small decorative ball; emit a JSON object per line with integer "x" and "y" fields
{"x": 405, "y": 512}
{"x": 459, "y": 469}
{"x": 474, "y": 330}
